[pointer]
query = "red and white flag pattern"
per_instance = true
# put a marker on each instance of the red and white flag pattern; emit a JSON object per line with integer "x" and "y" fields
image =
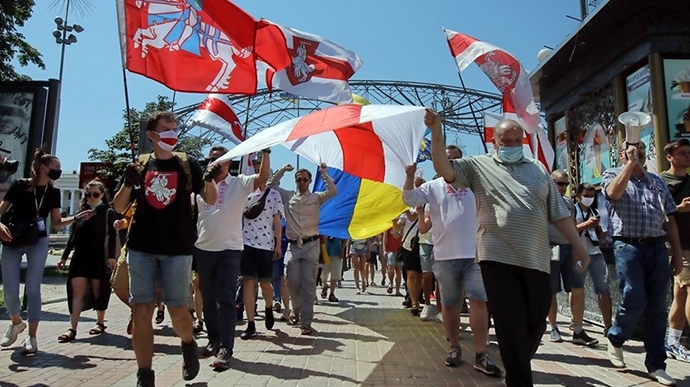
{"x": 187, "y": 47}
{"x": 216, "y": 114}
{"x": 511, "y": 79}
{"x": 319, "y": 68}
{"x": 490, "y": 122}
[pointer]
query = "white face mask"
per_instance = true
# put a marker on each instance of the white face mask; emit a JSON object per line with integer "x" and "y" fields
{"x": 586, "y": 201}
{"x": 168, "y": 140}
{"x": 95, "y": 204}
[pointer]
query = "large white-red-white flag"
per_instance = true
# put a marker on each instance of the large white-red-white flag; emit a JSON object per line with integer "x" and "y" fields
{"x": 511, "y": 79}
{"x": 216, "y": 114}
{"x": 320, "y": 69}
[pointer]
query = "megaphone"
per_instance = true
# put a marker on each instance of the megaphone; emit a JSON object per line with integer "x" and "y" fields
{"x": 634, "y": 122}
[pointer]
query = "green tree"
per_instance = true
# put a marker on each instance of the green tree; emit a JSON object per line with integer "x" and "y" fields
{"x": 13, "y": 44}
{"x": 118, "y": 149}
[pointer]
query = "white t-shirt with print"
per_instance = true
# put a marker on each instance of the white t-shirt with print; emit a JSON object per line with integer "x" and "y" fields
{"x": 453, "y": 217}
{"x": 259, "y": 232}
{"x": 220, "y": 226}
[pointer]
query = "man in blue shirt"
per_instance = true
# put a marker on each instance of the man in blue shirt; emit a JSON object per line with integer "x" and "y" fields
{"x": 641, "y": 211}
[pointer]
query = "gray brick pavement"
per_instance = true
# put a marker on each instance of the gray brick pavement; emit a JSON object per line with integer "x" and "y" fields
{"x": 364, "y": 340}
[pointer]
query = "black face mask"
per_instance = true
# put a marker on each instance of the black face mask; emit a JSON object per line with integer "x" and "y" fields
{"x": 55, "y": 174}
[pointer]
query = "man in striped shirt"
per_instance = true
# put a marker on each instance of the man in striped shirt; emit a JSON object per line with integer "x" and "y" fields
{"x": 516, "y": 200}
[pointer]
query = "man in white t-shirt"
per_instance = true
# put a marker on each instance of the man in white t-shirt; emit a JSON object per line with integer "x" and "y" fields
{"x": 218, "y": 250}
{"x": 454, "y": 220}
{"x": 260, "y": 249}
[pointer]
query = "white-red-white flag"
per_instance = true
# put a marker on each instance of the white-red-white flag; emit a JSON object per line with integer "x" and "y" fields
{"x": 511, "y": 79}
{"x": 490, "y": 122}
{"x": 216, "y": 114}
{"x": 319, "y": 70}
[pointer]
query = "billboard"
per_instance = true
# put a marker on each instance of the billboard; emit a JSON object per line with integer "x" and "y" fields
{"x": 561, "y": 145}
{"x": 677, "y": 85}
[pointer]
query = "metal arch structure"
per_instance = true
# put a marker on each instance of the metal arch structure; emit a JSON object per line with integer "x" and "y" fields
{"x": 462, "y": 109}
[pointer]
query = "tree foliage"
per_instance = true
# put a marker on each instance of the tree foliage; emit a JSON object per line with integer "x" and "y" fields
{"x": 118, "y": 149}
{"x": 13, "y": 44}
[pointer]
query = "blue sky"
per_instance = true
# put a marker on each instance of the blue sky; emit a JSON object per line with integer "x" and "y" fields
{"x": 397, "y": 40}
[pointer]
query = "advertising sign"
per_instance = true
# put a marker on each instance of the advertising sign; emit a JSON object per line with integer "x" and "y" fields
{"x": 638, "y": 87}
{"x": 677, "y": 85}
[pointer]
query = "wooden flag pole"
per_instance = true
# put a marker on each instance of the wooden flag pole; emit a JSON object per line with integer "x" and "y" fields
{"x": 129, "y": 116}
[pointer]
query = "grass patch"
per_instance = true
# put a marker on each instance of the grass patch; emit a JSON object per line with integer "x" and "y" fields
{"x": 2, "y": 298}
{"x": 55, "y": 272}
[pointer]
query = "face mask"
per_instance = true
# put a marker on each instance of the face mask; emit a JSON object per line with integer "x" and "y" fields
{"x": 168, "y": 140}
{"x": 54, "y": 174}
{"x": 586, "y": 201}
{"x": 510, "y": 154}
{"x": 96, "y": 204}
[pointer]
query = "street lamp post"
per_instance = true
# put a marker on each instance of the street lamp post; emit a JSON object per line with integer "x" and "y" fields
{"x": 62, "y": 38}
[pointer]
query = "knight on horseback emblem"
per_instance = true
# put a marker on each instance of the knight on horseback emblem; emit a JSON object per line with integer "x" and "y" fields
{"x": 178, "y": 25}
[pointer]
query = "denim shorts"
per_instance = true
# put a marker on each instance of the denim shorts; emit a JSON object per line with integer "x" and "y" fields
{"x": 392, "y": 258}
{"x": 597, "y": 271}
{"x": 453, "y": 275}
{"x": 174, "y": 271}
{"x": 426, "y": 257}
{"x": 562, "y": 269}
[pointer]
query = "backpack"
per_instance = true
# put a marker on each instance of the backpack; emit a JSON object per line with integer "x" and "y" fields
{"x": 181, "y": 159}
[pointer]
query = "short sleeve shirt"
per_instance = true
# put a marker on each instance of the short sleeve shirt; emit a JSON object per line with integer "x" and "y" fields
{"x": 25, "y": 201}
{"x": 163, "y": 223}
{"x": 680, "y": 188}
{"x": 258, "y": 232}
{"x": 515, "y": 204}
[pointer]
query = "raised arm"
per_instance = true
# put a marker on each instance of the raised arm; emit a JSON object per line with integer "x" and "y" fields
{"x": 616, "y": 188}
{"x": 438, "y": 147}
{"x": 331, "y": 189}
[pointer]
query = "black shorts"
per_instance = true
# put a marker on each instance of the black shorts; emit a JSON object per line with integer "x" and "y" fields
{"x": 257, "y": 263}
{"x": 373, "y": 258}
{"x": 411, "y": 261}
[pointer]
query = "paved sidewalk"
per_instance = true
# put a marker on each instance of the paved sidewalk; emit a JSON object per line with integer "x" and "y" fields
{"x": 366, "y": 340}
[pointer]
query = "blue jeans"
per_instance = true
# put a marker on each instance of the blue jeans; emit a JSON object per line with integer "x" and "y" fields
{"x": 11, "y": 260}
{"x": 643, "y": 277}
{"x": 218, "y": 273}
{"x": 278, "y": 272}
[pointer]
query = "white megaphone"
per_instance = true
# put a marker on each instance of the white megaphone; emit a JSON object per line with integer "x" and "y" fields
{"x": 634, "y": 122}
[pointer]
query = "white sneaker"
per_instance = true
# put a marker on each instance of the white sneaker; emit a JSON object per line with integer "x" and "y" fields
{"x": 439, "y": 317}
{"x": 662, "y": 377}
{"x": 616, "y": 356}
{"x": 30, "y": 345}
{"x": 11, "y": 334}
{"x": 426, "y": 311}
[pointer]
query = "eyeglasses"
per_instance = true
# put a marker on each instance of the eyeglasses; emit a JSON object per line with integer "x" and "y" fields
{"x": 94, "y": 195}
{"x": 301, "y": 180}
{"x": 561, "y": 183}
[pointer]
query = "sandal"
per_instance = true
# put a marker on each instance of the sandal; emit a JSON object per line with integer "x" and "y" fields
{"x": 389, "y": 290}
{"x": 294, "y": 319}
{"x": 68, "y": 336}
{"x": 160, "y": 316}
{"x": 332, "y": 298}
{"x": 98, "y": 329}
{"x": 324, "y": 292}
{"x": 306, "y": 331}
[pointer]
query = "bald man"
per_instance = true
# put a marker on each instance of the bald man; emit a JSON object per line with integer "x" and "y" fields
{"x": 516, "y": 200}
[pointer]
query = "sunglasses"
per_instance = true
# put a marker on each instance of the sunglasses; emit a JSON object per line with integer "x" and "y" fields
{"x": 212, "y": 160}
{"x": 561, "y": 183}
{"x": 94, "y": 195}
{"x": 301, "y": 180}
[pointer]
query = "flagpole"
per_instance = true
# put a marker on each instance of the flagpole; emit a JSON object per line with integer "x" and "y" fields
{"x": 476, "y": 122}
{"x": 129, "y": 115}
{"x": 244, "y": 133}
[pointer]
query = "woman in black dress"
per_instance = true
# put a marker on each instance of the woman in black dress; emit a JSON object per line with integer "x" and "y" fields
{"x": 95, "y": 246}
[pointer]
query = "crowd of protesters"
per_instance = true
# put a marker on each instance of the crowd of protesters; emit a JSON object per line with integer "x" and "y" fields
{"x": 495, "y": 235}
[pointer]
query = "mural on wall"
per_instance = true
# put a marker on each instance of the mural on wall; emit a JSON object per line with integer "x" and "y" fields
{"x": 561, "y": 145}
{"x": 677, "y": 82}
{"x": 591, "y": 126}
{"x": 638, "y": 87}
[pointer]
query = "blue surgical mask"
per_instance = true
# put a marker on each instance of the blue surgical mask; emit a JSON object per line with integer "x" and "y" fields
{"x": 510, "y": 154}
